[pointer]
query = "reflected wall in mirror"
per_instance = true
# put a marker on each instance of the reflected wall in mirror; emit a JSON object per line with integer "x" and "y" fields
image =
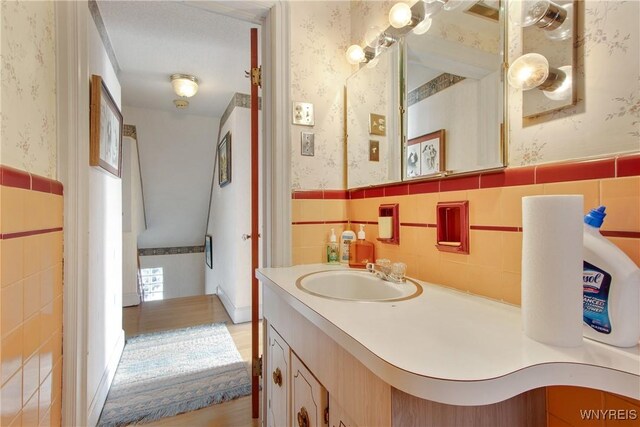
{"x": 548, "y": 29}
{"x": 373, "y": 121}
{"x": 454, "y": 82}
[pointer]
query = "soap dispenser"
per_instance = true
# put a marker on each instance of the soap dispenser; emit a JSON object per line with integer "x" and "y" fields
{"x": 333, "y": 249}
{"x": 362, "y": 251}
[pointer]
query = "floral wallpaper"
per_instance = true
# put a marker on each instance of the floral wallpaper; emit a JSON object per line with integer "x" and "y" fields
{"x": 320, "y": 34}
{"x": 606, "y": 118}
{"x": 28, "y": 78}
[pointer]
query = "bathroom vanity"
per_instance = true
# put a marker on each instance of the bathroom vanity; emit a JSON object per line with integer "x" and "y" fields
{"x": 441, "y": 357}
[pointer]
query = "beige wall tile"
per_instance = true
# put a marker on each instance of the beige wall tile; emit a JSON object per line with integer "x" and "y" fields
{"x": 31, "y": 339}
{"x": 58, "y": 276}
{"x": 629, "y": 246}
{"x": 511, "y": 206}
{"x": 484, "y": 206}
{"x": 11, "y": 397}
{"x": 31, "y": 295}
{"x": 311, "y": 210}
{"x": 334, "y": 210}
{"x": 296, "y": 213}
{"x": 11, "y": 307}
{"x": 484, "y": 281}
{"x": 589, "y": 189}
{"x": 621, "y": 196}
{"x": 46, "y": 358}
{"x": 454, "y": 274}
{"x": 11, "y": 354}
{"x": 512, "y": 252}
{"x": 453, "y": 196}
{"x": 511, "y": 288}
{"x": 37, "y": 210}
{"x": 30, "y": 411}
{"x": 30, "y": 377}
{"x": 47, "y": 283}
{"x": 13, "y": 213}
{"x": 33, "y": 247}
{"x": 44, "y": 400}
{"x": 485, "y": 248}
{"x": 11, "y": 265}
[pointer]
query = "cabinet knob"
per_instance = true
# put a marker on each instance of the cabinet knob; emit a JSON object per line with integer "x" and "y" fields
{"x": 303, "y": 418}
{"x": 277, "y": 377}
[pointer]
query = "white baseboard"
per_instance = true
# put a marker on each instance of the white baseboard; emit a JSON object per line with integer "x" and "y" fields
{"x": 130, "y": 299}
{"x": 100, "y": 396}
{"x": 237, "y": 314}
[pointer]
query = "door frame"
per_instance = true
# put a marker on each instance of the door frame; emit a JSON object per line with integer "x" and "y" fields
{"x": 72, "y": 66}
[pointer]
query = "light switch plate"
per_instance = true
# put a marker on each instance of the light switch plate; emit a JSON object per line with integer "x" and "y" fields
{"x": 307, "y": 143}
{"x": 377, "y": 124}
{"x": 374, "y": 151}
{"x": 303, "y": 113}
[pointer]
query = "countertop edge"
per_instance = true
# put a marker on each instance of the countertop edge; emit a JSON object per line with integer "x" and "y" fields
{"x": 473, "y": 392}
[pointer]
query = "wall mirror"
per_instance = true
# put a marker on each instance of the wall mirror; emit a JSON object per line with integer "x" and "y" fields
{"x": 373, "y": 121}
{"x": 449, "y": 85}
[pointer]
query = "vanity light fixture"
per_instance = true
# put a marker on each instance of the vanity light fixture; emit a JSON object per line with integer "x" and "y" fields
{"x": 355, "y": 54}
{"x": 532, "y": 71}
{"x": 555, "y": 19}
{"x": 184, "y": 85}
{"x": 400, "y": 15}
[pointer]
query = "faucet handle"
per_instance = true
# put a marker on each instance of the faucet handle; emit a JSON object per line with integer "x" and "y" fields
{"x": 370, "y": 267}
{"x": 384, "y": 265}
{"x": 398, "y": 270}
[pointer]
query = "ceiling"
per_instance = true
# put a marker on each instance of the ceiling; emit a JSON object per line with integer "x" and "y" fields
{"x": 154, "y": 39}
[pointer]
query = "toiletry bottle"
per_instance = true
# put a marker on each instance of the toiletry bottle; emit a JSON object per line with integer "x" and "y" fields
{"x": 346, "y": 239}
{"x": 611, "y": 288}
{"x": 333, "y": 249}
{"x": 361, "y": 251}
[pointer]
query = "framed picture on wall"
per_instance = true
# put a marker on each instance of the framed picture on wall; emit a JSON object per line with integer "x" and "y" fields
{"x": 208, "y": 251}
{"x": 430, "y": 150}
{"x": 224, "y": 160}
{"x": 105, "y": 139}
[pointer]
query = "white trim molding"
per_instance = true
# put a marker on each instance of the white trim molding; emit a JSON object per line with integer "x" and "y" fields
{"x": 237, "y": 314}
{"x": 95, "y": 408}
{"x": 73, "y": 150}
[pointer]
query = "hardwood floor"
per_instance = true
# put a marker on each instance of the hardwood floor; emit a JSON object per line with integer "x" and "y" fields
{"x": 155, "y": 316}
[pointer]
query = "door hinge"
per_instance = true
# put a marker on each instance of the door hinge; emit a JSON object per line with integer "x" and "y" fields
{"x": 256, "y": 76}
{"x": 326, "y": 415}
{"x": 257, "y": 367}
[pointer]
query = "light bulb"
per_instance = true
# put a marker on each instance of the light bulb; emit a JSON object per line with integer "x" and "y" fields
{"x": 184, "y": 85}
{"x": 432, "y": 8}
{"x": 528, "y": 71}
{"x": 565, "y": 90}
{"x": 423, "y": 26}
{"x": 355, "y": 54}
{"x": 372, "y": 36}
{"x": 565, "y": 30}
{"x": 400, "y": 15}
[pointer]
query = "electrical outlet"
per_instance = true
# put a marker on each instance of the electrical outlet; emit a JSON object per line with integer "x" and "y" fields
{"x": 307, "y": 143}
{"x": 303, "y": 113}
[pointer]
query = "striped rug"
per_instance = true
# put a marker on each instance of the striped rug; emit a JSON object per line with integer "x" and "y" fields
{"x": 167, "y": 373}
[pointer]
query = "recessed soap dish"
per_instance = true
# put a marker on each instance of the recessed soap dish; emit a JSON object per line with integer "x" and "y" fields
{"x": 453, "y": 226}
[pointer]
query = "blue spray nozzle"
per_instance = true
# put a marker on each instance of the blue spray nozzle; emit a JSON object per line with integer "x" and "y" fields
{"x": 595, "y": 217}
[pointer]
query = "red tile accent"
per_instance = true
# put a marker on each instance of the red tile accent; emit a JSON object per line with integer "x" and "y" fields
{"x": 463, "y": 183}
{"x": 374, "y": 192}
{"x": 495, "y": 228}
{"x": 308, "y": 194}
{"x": 578, "y": 171}
{"x": 628, "y": 165}
{"x": 15, "y": 178}
{"x": 424, "y": 187}
{"x": 508, "y": 178}
{"x": 39, "y": 183}
{"x": 356, "y": 194}
{"x": 335, "y": 194}
{"x": 8, "y": 236}
{"x": 57, "y": 188}
{"x": 628, "y": 234}
{"x": 397, "y": 190}
{"x": 417, "y": 224}
{"x": 318, "y": 222}
{"x": 365, "y": 222}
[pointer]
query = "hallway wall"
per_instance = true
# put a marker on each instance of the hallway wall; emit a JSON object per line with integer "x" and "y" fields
{"x": 31, "y": 207}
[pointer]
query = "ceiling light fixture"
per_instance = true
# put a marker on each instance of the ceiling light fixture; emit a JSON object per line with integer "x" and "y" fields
{"x": 184, "y": 85}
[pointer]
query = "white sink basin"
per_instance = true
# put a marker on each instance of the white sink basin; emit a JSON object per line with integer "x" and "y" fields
{"x": 354, "y": 285}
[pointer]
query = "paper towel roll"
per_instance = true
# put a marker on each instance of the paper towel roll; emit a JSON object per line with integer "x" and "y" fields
{"x": 385, "y": 230}
{"x": 552, "y": 269}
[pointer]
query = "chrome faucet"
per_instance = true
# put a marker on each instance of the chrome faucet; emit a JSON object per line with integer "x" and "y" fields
{"x": 384, "y": 269}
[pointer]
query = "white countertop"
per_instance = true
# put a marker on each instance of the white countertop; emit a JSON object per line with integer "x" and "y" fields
{"x": 451, "y": 347}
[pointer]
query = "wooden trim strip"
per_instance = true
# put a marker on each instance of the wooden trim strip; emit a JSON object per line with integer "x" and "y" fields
{"x": 318, "y": 222}
{"x": 627, "y": 234}
{"x": 16, "y": 178}
{"x": 495, "y": 228}
{"x": 18, "y": 234}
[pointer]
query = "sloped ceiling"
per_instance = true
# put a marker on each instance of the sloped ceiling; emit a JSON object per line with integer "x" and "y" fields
{"x": 152, "y": 40}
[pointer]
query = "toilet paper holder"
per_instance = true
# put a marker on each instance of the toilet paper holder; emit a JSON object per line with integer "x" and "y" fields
{"x": 452, "y": 224}
{"x": 389, "y": 224}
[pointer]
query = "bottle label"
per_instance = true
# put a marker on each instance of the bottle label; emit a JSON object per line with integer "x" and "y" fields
{"x": 596, "y": 284}
{"x": 346, "y": 241}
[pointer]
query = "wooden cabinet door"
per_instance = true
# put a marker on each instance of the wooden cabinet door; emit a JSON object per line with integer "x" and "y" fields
{"x": 309, "y": 399}
{"x": 338, "y": 417}
{"x": 278, "y": 364}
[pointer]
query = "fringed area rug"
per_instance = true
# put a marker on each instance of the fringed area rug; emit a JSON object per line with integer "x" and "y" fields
{"x": 167, "y": 373}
